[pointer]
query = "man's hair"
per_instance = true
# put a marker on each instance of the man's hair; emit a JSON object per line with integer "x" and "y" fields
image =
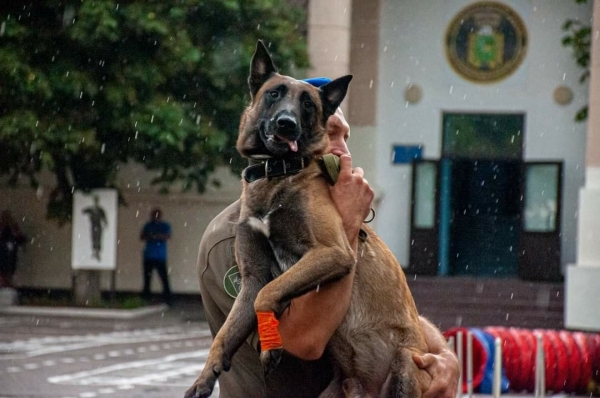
{"x": 155, "y": 212}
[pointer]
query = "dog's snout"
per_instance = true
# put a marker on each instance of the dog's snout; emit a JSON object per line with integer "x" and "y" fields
{"x": 286, "y": 122}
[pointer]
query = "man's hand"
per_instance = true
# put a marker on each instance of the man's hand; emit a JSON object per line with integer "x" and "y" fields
{"x": 352, "y": 196}
{"x": 441, "y": 363}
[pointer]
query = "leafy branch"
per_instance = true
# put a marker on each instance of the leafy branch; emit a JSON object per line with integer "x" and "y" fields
{"x": 578, "y": 38}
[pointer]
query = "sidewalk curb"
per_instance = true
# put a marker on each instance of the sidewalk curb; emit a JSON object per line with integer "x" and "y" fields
{"x": 75, "y": 312}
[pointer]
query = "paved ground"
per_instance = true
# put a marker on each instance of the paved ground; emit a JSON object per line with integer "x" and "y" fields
{"x": 156, "y": 356}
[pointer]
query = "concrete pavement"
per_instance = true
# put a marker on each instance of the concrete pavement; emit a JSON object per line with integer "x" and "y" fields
{"x": 157, "y": 355}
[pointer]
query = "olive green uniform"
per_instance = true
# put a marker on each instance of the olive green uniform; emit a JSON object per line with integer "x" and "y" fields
{"x": 218, "y": 285}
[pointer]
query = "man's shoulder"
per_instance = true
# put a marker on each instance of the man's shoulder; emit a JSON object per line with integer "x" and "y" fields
{"x": 222, "y": 227}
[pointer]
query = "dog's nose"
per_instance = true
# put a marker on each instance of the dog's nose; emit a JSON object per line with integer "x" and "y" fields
{"x": 286, "y": 122}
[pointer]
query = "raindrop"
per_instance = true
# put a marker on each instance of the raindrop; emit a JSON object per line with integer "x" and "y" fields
{"x": 103, "y": 148}
{"x": 152, "y": 119}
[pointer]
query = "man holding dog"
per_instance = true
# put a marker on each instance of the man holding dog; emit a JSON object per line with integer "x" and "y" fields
{"x": 309, "y": 322}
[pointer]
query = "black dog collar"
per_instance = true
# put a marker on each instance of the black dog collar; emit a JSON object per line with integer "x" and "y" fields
{"x": 275, "y": 168}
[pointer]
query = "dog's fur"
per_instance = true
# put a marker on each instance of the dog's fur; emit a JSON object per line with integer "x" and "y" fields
{"x": 290, "y": 239}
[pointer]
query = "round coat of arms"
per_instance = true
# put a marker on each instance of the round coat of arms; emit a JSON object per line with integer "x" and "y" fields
{"x": 486, "y": 42}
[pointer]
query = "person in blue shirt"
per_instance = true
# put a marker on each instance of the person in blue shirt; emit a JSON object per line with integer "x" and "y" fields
{"x": 156, "y": 233}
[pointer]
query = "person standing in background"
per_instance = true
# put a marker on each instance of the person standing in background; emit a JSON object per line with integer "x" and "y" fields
{"x": 156, "y": 233}
{"x": 11, "y": 238}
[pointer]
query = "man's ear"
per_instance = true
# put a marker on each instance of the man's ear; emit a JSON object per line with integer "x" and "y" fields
{"x": 261, "y": 68}
{"x": 332, "y": 94}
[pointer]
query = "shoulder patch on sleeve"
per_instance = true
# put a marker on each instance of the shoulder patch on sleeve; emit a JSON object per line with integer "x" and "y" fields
{"x": 232, "y": 281}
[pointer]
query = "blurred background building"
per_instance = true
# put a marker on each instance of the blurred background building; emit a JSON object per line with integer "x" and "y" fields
{"x": 462, "y": 114}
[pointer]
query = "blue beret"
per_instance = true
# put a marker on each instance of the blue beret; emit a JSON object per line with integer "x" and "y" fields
{"x": 318, "y": 81}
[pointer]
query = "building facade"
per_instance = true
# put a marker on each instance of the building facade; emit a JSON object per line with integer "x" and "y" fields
{"x": 462, "y": 115}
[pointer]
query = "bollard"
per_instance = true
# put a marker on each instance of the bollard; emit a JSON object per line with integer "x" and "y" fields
{"x": 540, "y": 368}
{"x": 496, "y": 387}
{"x": 459, "y": 354}
{"x": 470, "y": 365}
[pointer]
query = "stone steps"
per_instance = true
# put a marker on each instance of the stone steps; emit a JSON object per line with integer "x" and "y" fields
{"x": 472, "y": 302}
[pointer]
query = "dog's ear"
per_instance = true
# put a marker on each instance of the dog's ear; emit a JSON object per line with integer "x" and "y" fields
{"x": 261, "y": 68}
{"x": 332, "y": 95}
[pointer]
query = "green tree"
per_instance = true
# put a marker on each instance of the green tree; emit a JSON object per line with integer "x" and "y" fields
{"x": 578, "y": 37}
{"x": 86, "y": 86}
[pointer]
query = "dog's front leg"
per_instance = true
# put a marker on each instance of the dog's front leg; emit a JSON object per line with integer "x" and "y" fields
{"x": 238, "y": 326}
{"x": 318, "y": 266}
{"x": 254, "y": 266}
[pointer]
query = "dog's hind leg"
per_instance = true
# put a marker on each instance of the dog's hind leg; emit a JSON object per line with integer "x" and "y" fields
{"x": 405, "y": 380}
{"x": 241, "y": 320}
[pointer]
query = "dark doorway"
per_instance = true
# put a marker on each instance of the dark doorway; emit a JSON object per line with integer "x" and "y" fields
{"x": 481, "y": 193}
{"x": 485, "y": 210}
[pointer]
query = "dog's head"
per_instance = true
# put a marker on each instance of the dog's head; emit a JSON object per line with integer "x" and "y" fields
{"x": 287, "y": 116}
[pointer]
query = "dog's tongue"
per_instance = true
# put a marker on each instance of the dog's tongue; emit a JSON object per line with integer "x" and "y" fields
{"x": 293, "y": 144}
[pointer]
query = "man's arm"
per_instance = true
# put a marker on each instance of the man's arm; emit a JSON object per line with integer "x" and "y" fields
{"x": 310, "y": 320}
{"x": 441, "y": 363}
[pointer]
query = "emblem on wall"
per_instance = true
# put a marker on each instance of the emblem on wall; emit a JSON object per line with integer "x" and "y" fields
{"x": 486, "y": 42}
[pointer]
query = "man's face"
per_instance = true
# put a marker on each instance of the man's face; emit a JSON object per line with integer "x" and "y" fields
{"x": 338, "y": 132}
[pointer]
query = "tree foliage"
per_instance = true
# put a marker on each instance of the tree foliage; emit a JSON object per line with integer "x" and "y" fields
{"x": 89, "y": 85}
{"x": 578, "y": 37}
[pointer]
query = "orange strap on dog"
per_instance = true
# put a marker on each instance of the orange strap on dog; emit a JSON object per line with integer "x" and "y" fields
{"x": 269, "y": 336}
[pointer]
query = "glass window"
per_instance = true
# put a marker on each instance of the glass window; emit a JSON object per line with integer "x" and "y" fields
{"x": 484, "y": 136}
{"x": 426, "y": 175}
{"x": 541, "y": 197}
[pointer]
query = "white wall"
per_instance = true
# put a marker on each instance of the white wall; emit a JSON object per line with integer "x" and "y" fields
{"x": 46, "y": 260}
{"x": 412, "y": 51}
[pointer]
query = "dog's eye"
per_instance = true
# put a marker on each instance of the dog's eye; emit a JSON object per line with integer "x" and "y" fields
{"x": 274, "y": 94}
{"x": 309, "y": 105}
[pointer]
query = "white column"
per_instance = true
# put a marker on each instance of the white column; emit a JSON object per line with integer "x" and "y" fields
{"x": 329, "y": 25}
{"x": 582, "y": 303}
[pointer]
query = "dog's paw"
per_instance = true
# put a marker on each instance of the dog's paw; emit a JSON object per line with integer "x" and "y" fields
{"x": 205, "y": 383}
{"x": 270, "y": 359}
{"x": 198, "y": 391}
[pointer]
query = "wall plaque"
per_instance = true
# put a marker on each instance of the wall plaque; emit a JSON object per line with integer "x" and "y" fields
{"x": 486, "y": 42}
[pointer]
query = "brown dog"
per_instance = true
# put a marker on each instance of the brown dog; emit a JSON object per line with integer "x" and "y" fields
{"x": 290, "y": 240}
